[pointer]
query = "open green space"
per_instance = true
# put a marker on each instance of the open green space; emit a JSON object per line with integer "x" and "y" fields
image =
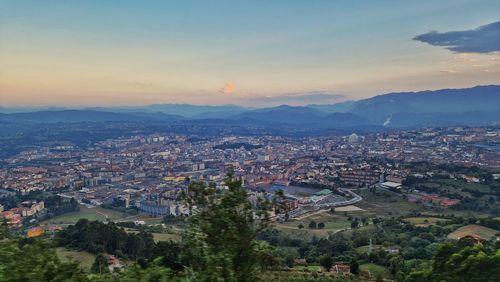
{"x": 100, "y": 214}
{"x": 465, "y": 185}
{"x": 316, "y": 268}
{"x": 364, "y": 249}
{"x": 376, "y": 269}
{"x": 94, "y": 213}
{"x": 385, "y": 204}
{"x": 85, "y": 259}
{"x": 333, "y": 223}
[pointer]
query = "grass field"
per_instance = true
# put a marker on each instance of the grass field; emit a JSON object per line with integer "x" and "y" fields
{"x": 424, "y": 221}
{"x": 333, "y": 223}
{"x": 376, "y": 269}
{"x": 473, "y": 229}
{"x": 364, "y": 249}
{"x": 101, "y": 214}
{"x": 316, "y": 268}
{"x": 385, "y": 204}
{"x": 85, "y": 259}
{"x": 95, "y": 213}
{"x": 175, "y": 236}
{"x": 166, "y": 237}
{"x": 464, "y": 185}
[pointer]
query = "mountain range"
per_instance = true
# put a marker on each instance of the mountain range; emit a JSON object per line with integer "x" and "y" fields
{"x": 474, "y": 106}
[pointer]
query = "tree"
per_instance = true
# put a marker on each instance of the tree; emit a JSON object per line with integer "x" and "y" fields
{"x": 354, "y": 224}
{"x": 462, "y": 261}
{"x": 321, "y": 225}
{"x": 301, "y": 226}
{"x": 220, "y": 241}
{"x": 100, "y": 264}
{"x": 4, "y": 229}
{"x": 332, "y": 210}
{"x": 312, "y": 224}
{"x": 395, "y": 264}
{"x": 326, "y": 262}
{"x": 364, "y": 220}
{"x": 354, "y": 266}
{"x": 379, "y": 278}
{"x": 35, "y": 261}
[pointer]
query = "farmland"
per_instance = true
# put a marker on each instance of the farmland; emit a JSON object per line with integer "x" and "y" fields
{"x": 424, "y": 221}
{"x": 474, "y": 230}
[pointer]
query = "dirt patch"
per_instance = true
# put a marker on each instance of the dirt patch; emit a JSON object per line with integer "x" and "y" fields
{"x": 348, "y": 209}
{"x": 473, "y": 230}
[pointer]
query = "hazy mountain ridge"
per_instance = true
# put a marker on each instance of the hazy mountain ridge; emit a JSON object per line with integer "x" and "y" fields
{"x": 475, "y": 99}
{"x": 474, "y": 106}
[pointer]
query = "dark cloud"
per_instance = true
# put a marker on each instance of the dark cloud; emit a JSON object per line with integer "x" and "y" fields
{"x": 314, "y": 97}
{"x": 484, "y": 39}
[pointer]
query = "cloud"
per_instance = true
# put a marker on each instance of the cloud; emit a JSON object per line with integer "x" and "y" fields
{"x": 228, "y": 88}
{"x": 484, "y": 39}
{"x": 313, "y": 97}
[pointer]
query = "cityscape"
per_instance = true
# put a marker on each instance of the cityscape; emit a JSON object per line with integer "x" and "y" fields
{"x": 249, "y": 141}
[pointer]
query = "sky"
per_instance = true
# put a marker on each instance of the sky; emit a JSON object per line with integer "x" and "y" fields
{"x": 251, "y": 53}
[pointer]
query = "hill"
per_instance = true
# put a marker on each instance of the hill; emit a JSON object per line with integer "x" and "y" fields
{"x": 473, "y": 106}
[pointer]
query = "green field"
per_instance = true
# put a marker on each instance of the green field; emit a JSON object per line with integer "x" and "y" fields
{"x": 101, "y": 214}
{"x": 166, "y": 237}
{"x": 85, "y": 259}
{"x": 316, "y": 268}
{"x": 333, "y": 223}
{"x": 171, "y": 236}
{"x": 464, "y": 185}
{"x": 385, "y": 204}
{"x": 364, "y": 249}
{"x": 376, "y": 269}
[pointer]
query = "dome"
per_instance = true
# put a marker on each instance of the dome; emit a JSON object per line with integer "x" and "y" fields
{"x": 353, "y": 138}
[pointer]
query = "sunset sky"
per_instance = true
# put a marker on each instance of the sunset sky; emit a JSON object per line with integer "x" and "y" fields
{"x": 250, "y": 53}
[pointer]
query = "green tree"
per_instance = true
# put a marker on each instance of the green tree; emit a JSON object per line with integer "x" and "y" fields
{"x": 326, "y": 262}
{"x": 312, "y": 224}
{"x": 354, "y": 224}
{"x": 35, "y": 261}
{"x": 321, "y": 225}
{"x": 395, "y": 264}
{"x": 4, "y": 229}
{"x": 100, "y": 264}
{"x": 220, "y": 240}
{"x": 354, "y": 266}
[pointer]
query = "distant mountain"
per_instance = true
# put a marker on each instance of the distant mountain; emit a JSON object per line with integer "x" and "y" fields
{"x": 85, "y": 116}
{"x": 303, "y": 117}
{"x": 185, "y": 110}
{"x": 429, "y": 106}
{"x": 341, "y": 107}
{"x": 284, "y": 114}
{"x": 474, "y": 106}
{"x": 218, "y": 114}
{"x": 10, "y": 110}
